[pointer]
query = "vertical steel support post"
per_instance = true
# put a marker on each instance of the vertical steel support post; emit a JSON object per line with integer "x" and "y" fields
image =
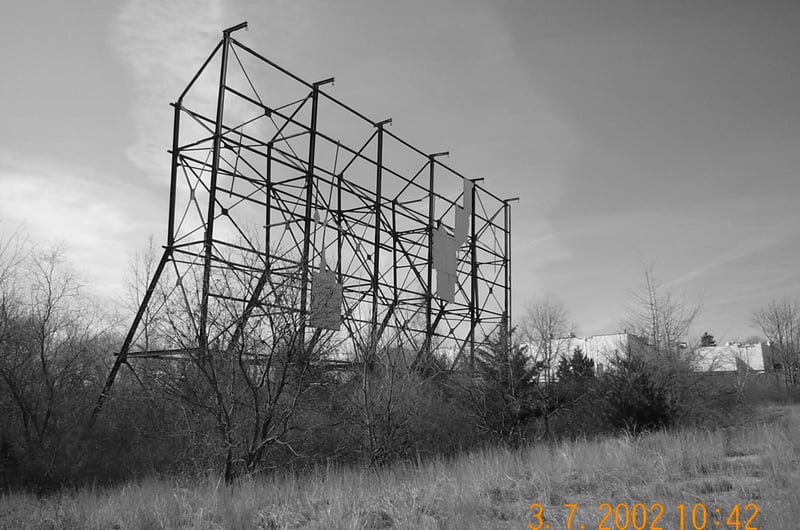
{"x": 395, "y": 296}
{"x": 339, "y": 223}
{"x": 507, "y": 260}
{"x": 429, "y": 268}
{"x": 173, "y": 181}
{"x": 376, "y": 250}
{"x": 304, "y": 264}
{"x": 176, "y": 137}
{"x": 473, "y": 295}
{"x": 429, "y": 287}
{"x": 212, "y": 189}
{"x": 507, "y": 280}
{"x": 268, "y": 209}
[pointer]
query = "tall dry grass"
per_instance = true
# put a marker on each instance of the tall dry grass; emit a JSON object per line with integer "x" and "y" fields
{"x": 492, "y": 488}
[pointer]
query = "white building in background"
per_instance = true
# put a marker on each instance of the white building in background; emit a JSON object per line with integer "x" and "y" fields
{"x": 604, "y": 350}
{"x": 734, "y": 356}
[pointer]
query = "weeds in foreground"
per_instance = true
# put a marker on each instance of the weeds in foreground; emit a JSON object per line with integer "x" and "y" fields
{"x": 492, "y": 488}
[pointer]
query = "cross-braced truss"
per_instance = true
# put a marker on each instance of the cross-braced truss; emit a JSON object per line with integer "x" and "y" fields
{"x": 275, "y": 183}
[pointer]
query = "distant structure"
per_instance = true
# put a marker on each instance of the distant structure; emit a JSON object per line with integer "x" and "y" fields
{"x": 604, "y": 350}
{"x": 734, "y": 357}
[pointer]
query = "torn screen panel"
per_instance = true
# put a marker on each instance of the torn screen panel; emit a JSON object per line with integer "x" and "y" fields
{"x": 444, "y": 251}
{"x": 462, "y": 222}
{"x": 450, "y": 261}
{"x": 445, "y": 286}
{"x": 326, "y": 301}
{"x": 468, "y": 185}
{"x": 437, "y": 247}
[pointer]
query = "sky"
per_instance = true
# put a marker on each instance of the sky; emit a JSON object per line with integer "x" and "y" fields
{"x": 660, "y": 132}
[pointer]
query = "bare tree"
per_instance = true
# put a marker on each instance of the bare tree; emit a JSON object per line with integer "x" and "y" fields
{"x": 142, "y": 267}
{"x": 384, "y": 397}
{"x": 50, "y": 334}
{"x": 660, "y": 314}
{"x": 547, "y": 328}
{"x": 249, "y": 384}
{"x": 779, "y": 321}
{"x": 15, "y": 250}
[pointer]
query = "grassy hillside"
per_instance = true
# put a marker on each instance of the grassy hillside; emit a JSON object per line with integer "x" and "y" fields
{"x": 758, "y": 462}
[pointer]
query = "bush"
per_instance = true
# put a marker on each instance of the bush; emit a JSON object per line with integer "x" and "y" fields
{"x": 658, "y": 391}
{"x": 390, "y": 412}
{"x": 637, "y": 398}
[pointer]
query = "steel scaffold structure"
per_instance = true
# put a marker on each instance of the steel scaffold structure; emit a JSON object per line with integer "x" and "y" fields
{"x": 275, "y": 181}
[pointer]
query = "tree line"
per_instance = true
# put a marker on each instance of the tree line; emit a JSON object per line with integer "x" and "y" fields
{"x": 274, "y": 403}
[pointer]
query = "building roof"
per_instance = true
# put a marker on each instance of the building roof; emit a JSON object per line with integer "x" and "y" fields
{"x": 604, "y": 349}
{"x": 730, "y": 357}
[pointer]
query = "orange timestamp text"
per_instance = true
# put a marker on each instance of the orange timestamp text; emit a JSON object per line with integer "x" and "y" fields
{"x": 640, "y": 516}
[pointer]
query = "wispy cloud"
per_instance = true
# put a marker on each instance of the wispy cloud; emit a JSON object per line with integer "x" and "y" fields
{"x": 536, "y": 241}
{"x": 786, "y": 289}
{"x": 164, "y": 44}
{"x": 739, "y": 252}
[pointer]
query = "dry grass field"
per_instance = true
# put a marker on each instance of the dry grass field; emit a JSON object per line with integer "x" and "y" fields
{"x": 757, "y": 462}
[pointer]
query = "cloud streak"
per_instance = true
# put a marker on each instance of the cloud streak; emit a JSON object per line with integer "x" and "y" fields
{"x": 163, "y": 44}
{"x": 739, "y": 252}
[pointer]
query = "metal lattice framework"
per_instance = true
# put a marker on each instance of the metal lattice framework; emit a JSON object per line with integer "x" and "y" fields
{"x": 274, "y": 182}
